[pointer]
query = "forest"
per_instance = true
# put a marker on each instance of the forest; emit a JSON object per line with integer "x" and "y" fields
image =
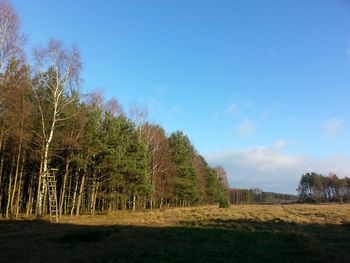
{"x": 258, "y": 196}
{"x": 317, "y": 188}
{"x": 102, "y": 158}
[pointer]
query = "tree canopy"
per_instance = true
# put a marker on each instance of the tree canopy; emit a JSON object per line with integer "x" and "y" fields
{"x": 104, "y": 160}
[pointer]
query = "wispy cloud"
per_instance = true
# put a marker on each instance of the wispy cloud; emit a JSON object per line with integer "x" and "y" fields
{"x": 160, "y": 91}
{"x": 233, "y": 110}
{"x": 272, "y": 169}
{"x": 248, "y": 108}
{"x": 281, "y": 144}
{"x": 246, "y": 128}
{"x": 176, "y": 109}
{"x": 154, "y": 104}
{"x": 332, "y": 128}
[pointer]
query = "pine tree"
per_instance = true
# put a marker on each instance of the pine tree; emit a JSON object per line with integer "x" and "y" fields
{"x": 186, "y": 179}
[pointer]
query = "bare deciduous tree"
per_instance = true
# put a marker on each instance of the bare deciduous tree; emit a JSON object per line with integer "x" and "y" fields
{"x": 138, "y": 114}
{"x": 114, "y": 107}
{"x": 56, "y": 75}
{"x": 10, "y": 41}
{"x": 160, "y": 165}
{"x": 10, "y": 38}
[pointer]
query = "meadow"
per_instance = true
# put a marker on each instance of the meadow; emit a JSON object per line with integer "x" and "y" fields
{"x": 241, "y": 233}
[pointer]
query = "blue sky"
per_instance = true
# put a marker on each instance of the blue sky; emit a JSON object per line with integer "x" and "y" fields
{"x": 260, "y": 87}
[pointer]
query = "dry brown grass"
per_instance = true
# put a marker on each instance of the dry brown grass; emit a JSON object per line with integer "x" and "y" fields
{"x": 298, "y": 214}
{"x": 242, "y": 233}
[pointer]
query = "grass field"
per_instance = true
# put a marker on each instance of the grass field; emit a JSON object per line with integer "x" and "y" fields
{"x": 245, "y": 233}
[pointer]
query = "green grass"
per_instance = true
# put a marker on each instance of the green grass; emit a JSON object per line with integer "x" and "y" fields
{"x": 198, "y": 239}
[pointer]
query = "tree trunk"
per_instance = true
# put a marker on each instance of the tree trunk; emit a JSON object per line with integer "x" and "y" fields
{"x": 38, "y": 202}
{"x": 20, "y": 184}
{"x": 30, "y": 198}
{"x": 66, "y": 200}
{"x": 74, "y": 196}
{"x": 92, "y": 193}
{"x": 161, "y": 202}
{"x": 43, "y": 178}
{"x": 94, "y": 198}
{"x": 2, "y": 149}
{"x": 45, "y": 201}
{"x": 80, "y": 194}
{"x": 133, "y": 202}
{"x": 46, "y": 158}
{"x": 151, "y": 203}
{"x": 8, "y": 197}
{"x": 63, "y": 191}
{"x": 16, "y": 175}
{"x": 1, "y": 168}
{"x": 9, "y": 189}
{"x": 1, "y": 135}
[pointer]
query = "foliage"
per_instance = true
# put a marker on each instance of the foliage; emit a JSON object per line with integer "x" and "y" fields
{"x": 105, "y": 160}
{"x": 258, "y": 196}
{"x": 223, "y": 203}
{"x": 186, "y": 179}
{"x": 315, "y": 187}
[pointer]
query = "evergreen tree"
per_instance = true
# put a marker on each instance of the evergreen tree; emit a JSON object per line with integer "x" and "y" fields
{"x": 186, "y": 179}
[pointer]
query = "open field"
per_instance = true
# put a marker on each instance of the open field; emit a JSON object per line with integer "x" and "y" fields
{"x": 246, "y": 233}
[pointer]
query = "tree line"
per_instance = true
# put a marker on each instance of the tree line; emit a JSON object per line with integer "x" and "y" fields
{"x": 314, "y": 187}
{"x": 104, "y": 159}
{"x": 258, "y": 196}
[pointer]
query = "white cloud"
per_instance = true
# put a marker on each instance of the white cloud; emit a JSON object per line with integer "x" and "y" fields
{"x": 233, "y": 110}
{"x": 272, "y": 169}
{"x": 280, "y": 144}
{"x": 246, "y": 128}
{"x": 332, "y": 128}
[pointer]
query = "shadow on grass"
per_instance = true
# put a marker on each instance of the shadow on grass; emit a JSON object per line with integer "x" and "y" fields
{"x": 210, "y": 241}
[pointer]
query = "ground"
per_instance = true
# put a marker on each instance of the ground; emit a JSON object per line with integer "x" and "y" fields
{"x": 242, "y": 233}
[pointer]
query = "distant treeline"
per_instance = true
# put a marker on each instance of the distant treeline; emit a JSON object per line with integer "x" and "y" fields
{"x": 103, "y": 158}
{"x": 258, "y": 196}
{"x": 314, "y": 187}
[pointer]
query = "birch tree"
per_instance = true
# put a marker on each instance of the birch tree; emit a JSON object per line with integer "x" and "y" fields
{"x": 56, "y": 73}
{"x": 160, "y": 164}
{"x": 10, "y": 38}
